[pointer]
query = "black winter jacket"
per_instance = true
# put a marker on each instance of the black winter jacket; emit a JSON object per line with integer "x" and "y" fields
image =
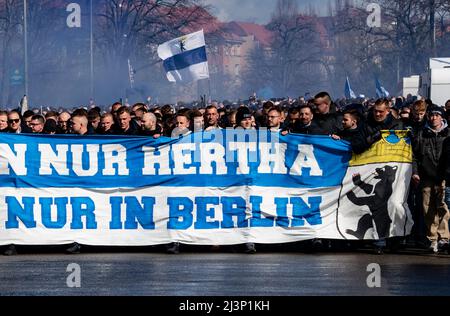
{"x": 330, "y": 123}
{"x": 427, "y": 151}
{"x": 373, "y": 128}
{"x": 444, "y": 164}
{"x": 311, "y": 129}
{"x": 356, "y": 138}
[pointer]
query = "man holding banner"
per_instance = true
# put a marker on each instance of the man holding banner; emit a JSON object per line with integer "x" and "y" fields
{"x": 326, "y": 116}
{"x": 380, "y": 119}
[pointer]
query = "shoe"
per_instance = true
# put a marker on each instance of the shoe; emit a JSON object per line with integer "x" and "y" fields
{"x": 434, "y": 247}
{"x": 394, "y": 244}
{"x": 214, "y": 248}
{"x": 174, "y": 248}
{"x": 10, "y": 251}
{"x": 379, "y": 246}
{"x": 250, "y": 248}
{"x": 443, "y": 245}
{"x": 378, "y": 250}
{"x": 317, "y": 244}
{"x": 74, "y": 249}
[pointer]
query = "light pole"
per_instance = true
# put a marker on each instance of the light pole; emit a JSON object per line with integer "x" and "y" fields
{"x": 25, "y": 44}
{"x": 92, "y": 49}
{"x": 433, "y": 27}
{"x": 396, "y": 24}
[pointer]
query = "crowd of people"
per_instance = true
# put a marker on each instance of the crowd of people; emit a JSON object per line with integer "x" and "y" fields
{"x": 359, "y": 122}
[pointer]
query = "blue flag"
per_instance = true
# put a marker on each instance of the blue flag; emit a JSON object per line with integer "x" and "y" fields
{"x": 381, "y": 91}
{"x": 349, "y": 94}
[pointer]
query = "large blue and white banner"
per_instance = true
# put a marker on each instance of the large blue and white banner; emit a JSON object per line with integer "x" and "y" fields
{"x": 184, "y": 58}
{"x": 222, "y": 187}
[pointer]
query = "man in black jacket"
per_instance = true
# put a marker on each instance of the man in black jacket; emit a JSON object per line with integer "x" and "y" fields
{"x": 306, "y": 124}
{"x": 353, "y": 131}
{"x": 126, "y": 126}
{"x": 427, "y": 149}
{"x": 325, "y": 116}
{"x": 444, "y": 169}
{"x": 380, "y": 119}
{"x": 417, "y": 119}
{"x": 149, "y": 126}
{"x": 416, "y": 123}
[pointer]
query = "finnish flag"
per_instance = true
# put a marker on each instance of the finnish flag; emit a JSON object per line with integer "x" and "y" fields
{"x": 185, "y": 58}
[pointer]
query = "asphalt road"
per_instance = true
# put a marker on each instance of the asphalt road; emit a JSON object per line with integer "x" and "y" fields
{"x": 224, "y": 274}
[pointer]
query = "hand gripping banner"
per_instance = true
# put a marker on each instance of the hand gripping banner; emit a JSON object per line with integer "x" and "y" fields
{"x": 222, "y": 187}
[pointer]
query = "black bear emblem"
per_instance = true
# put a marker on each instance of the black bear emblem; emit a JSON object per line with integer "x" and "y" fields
{"x": 377, "y": 202}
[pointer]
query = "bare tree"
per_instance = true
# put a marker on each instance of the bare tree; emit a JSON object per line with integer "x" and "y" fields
{"x": 353, "y": 49}
{"x": 130, "y": 29}
{"x": 284, "y": 66}
{"x": 296, "y": 43}
{"x": 285, "y": 9}
{"x": 443, "y": 17}
{"x": 400, "y": 47}
{"x": 10, "y": 29}
{"x": 47, "y": 42}
{"x": 412, "y": 33}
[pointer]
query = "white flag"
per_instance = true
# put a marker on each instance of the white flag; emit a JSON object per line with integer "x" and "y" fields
{"x": 23, "y": 105}
{"x": 185, "y": 58}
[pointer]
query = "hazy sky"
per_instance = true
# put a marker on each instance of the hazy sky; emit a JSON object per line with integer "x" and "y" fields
{"x": 258, "y": 11}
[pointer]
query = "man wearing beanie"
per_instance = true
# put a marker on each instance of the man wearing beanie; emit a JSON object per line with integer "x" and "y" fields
{"x": 244, "y": 118}
{"x": 427, "y": 151}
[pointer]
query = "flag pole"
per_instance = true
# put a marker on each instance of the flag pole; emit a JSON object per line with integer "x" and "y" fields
{"x": 25, "y": 40}
{"x": 209, "y": 90}
{"x": 91, "y": 44}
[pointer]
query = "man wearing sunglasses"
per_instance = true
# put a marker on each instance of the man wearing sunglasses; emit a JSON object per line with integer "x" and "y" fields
{"x": 14, "y": 122}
